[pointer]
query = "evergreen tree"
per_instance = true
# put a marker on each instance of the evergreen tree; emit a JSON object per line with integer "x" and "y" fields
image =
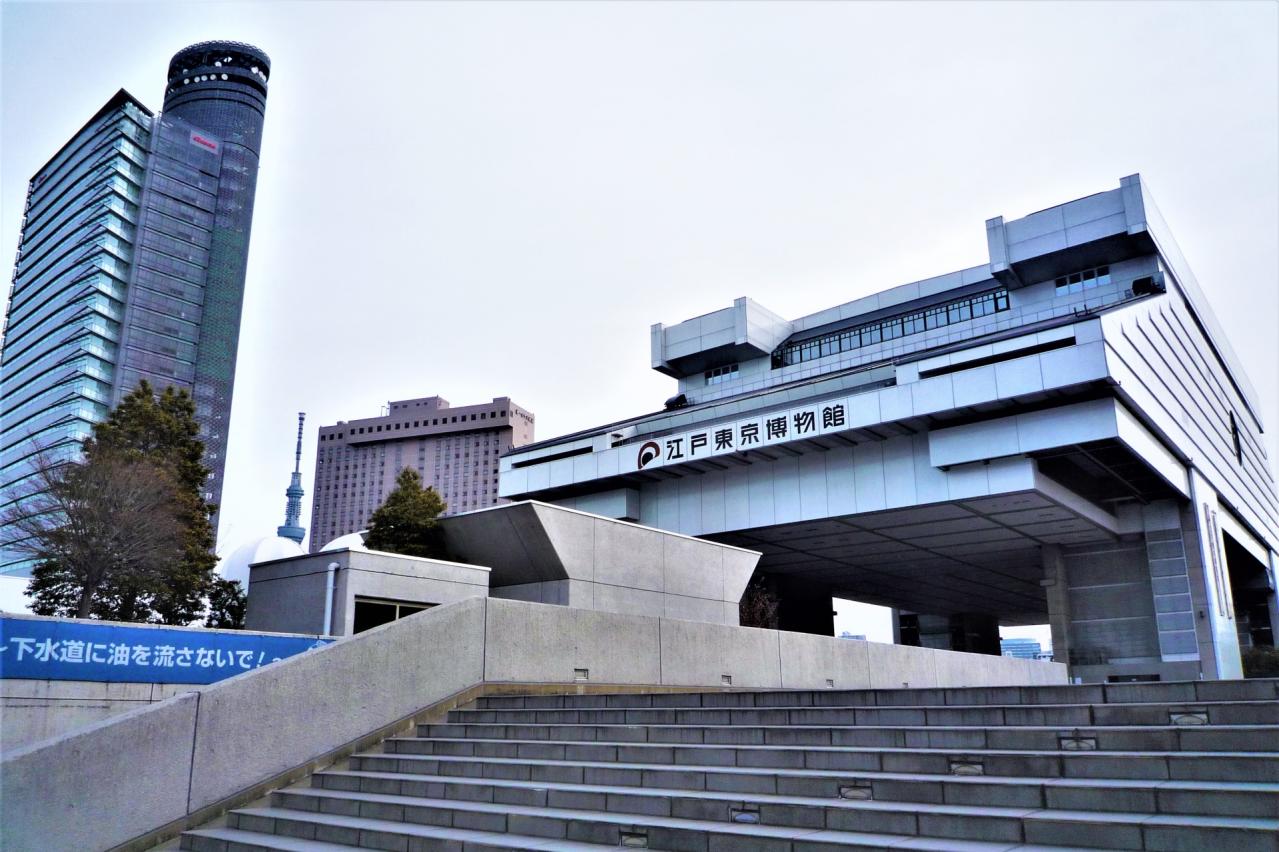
{"x": 104, "y": 570}
{"x": 406, "y": 520}
{"x": 227, "y": 605}
{"x": 162, "y": 429}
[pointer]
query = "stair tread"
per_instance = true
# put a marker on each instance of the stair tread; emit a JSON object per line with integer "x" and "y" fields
{"x": 277, "y": 841}
{"x": 1218, "y": 702}
{"x": 856, "y": 774}
{"x": 826, "y": 727}
{"x": 911, "y": 807}
{"x": 1140, "y": 783}
{"x": 876, "y": 749}
{"x": 896, "y": 841}
{"x": 294, "y": 844}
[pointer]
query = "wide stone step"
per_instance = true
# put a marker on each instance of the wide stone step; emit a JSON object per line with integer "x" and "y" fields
{"x": 559, "y": 830}
{"x": 1259, "y": 689}
{"x": 1184, "y": 765}
{"x": 1041, "y": 738}
{"x": 585, "y": 818}
{"x": 399, "y": 776}
{"x": 784, "y": 811}
{"x": 1182, "y": 715}
{"x": 424, "y": 839}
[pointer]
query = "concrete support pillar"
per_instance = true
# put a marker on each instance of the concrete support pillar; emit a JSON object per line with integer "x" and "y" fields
{"x": 805, "y": 606}
{"x": 1057, "y": 590}
{"x": 1216, "y": 632}
{"x": 976, "y": 633}
{"x": 1170, "y": 582}
{"x": 934, "y": 631}
{"x": 1272, "y": 600}
{"x": 905, "y": 628}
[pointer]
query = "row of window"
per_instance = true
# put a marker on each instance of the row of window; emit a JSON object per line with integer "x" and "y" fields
{"x": 721, "y": 374}
{"x": 902, "y": 325}
{"x": 435, "y": 421}
{"x": 1077, "y": 282}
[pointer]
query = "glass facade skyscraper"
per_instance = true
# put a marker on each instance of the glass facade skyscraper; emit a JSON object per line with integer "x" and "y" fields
{"x": 131, "y": 264}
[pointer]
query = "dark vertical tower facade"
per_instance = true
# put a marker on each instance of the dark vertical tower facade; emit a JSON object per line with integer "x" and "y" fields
{"x": 131, "y": 266}
{"x": 220, "y": 88}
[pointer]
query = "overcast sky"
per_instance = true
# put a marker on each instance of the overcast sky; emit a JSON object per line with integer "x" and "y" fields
{"x": 477, "y": 200}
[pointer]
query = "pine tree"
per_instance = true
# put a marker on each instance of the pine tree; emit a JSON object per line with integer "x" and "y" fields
{"x": 227, "y": 605}
{"x": 406, "y": 521}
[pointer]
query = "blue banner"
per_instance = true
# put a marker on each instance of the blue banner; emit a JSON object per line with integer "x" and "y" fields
{"x": 82, "y": 650}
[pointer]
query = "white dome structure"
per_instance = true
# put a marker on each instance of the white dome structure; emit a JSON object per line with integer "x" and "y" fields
{"x": 236, "y": 566}
{"x": 350, "y": 541}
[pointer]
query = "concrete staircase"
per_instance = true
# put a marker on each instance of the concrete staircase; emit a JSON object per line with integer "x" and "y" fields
{"x": 1160, "y": 766}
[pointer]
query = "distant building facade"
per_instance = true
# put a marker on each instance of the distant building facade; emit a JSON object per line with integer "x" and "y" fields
{"x": 1022, "y": 649}
{"x": 131, "y": 264}
{"x": 455, "y": 450}
{"x": 1059, "y": 434}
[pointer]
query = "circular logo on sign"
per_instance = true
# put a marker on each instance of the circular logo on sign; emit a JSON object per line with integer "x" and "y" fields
{"x": 648, "y": 453}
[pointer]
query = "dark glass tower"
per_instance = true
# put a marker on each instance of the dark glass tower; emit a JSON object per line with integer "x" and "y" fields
{"x": 219, "y": 87}
{"x": 131, "y": 264}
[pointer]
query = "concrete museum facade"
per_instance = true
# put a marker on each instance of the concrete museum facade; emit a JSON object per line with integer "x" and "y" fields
{"x": 1060, "y": 434}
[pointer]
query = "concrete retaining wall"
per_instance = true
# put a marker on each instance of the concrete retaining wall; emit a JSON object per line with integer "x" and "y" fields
{"x": 34, "y": 710}
{"x": 153, "y": 767}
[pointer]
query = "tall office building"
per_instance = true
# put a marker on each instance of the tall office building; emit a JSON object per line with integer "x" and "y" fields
{"x": 131, "y": 263}
{"x": 454, "y": 449}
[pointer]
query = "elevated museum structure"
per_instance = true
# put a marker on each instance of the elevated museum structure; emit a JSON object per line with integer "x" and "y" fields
{"x": 1059, "y": 434}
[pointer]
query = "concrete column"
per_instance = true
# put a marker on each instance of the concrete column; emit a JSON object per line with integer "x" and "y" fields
{"x": 905, "y": 628}
{"x": 977, "y": 633}
{"x": 1272, "y": 600}
{"x": 1170, "y": 582}
{"x": 934, "y": 631}
{"x": 1217, "y": 635}
{"x": 1057, "y": 590}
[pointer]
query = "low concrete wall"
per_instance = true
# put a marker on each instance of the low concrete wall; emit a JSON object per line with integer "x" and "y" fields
{"x": 35, "y": 710}
{"x": 177, "y": 761}
{"x": 535, "y": 643}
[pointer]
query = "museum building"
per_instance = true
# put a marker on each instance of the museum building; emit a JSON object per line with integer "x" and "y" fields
{"x": 1061, "y": 434}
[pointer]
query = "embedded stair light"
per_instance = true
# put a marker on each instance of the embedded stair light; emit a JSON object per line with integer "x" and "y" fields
{"x": 967, "y": 767}
{"x": 1077, "y": 742}
{"x": 860, "y": 791}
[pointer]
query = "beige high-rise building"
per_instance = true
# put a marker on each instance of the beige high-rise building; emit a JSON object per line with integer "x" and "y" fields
{"x": 454, "y": 449}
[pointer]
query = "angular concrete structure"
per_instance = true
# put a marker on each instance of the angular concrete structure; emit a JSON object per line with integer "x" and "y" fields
{"x": 549, "y": 554}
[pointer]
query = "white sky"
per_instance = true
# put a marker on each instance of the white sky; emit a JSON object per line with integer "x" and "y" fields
{"x": 485, "y": 199}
